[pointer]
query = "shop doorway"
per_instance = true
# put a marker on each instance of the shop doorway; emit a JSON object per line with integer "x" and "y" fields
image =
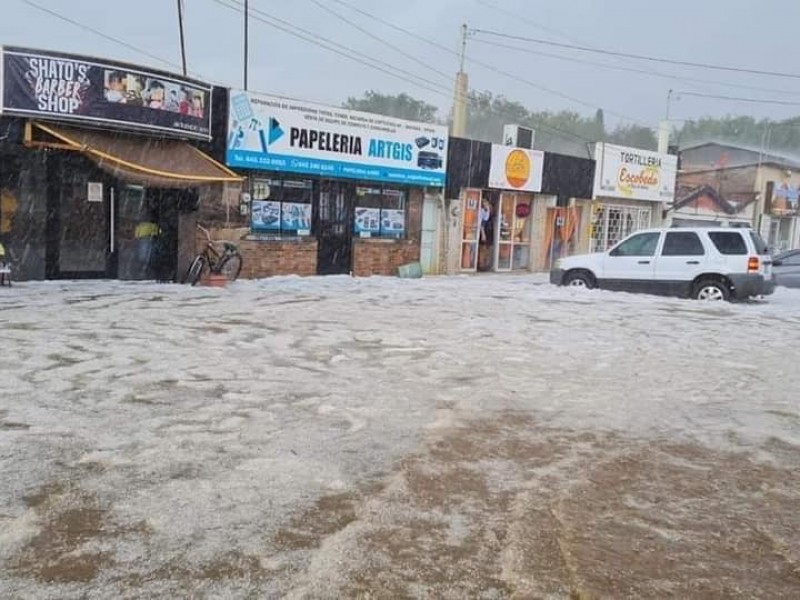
{"x": 147, "y": 232}
{"x": 429, "y": 244}
{"x": 471, "y": 232}
{"x": 513, "y": 233}
{"x": 334, "y": 228}
{"x": 80, "y": 228}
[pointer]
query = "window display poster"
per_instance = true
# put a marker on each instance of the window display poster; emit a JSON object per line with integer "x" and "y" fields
{"x": 266, "y": 216}
{"x": 393, "y": 223}
{"x": 296, "y": 216}
{"x": 367, "y": 221}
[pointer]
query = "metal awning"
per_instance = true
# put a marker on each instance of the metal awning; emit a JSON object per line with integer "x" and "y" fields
{"x": 152, "y": 162}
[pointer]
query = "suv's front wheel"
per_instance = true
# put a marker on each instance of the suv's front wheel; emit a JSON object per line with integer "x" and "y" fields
{"x": 580, "y": 279}
{"x": 711, "y": 290}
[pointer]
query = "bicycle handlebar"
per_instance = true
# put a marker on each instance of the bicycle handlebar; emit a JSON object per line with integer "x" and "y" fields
{"x": 205, "y": 231}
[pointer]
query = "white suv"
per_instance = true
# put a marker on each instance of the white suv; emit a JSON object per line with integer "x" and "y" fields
{"x": 707, "y": 264}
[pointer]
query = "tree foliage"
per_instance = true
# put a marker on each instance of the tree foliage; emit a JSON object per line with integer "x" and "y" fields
{"x": 570, "y": 132}
{"x": 401, "y": 106}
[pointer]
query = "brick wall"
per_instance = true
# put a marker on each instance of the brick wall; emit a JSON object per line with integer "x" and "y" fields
{"x": 269, "y": 258}
{"x": 382, "y": 257}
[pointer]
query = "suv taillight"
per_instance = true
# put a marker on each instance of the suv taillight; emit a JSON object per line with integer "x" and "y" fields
{"x": 753, "y": 264}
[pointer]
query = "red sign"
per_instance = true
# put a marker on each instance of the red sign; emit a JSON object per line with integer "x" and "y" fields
{"x": 523, "y": 211}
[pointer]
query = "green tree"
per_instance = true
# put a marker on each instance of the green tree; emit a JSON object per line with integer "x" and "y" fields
{"x": 636, "y": 136}
{"x": 401, "y": 106}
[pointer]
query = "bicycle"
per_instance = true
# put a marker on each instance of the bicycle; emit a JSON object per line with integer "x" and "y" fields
{"x": 227, "y": 261}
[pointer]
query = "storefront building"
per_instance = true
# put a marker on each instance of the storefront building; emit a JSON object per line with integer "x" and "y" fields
{"x": 100, "y": 171}
{"x": 328, "y": 191}
{"x": 632, "y": 188}
{"x": 754, "y": 187}
{"x": 513, "y": 209}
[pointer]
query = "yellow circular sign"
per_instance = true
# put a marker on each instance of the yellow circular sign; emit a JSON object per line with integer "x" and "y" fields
{"x": 518, "y": 168}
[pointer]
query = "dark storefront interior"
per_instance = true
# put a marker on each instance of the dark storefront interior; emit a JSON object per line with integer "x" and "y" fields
{"x": 67, "y": 215}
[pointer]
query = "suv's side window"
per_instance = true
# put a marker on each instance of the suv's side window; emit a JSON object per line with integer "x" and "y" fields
{"x": 682, "y": 243}
{"x": 730, "y": 243}
{"x": 643, "y": 244}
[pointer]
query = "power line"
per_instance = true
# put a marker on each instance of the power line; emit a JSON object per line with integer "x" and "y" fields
{"x": 739, "y": 99}
{"x": 683, "y": 63}
{"x": 491, "y": 67}
{"x": 263, "y": 17}
{"x": 368, "y": 33}
{"x": 683, "y": 78}
{"x": 99, "y": 33}
{"x": 336, "y": 48}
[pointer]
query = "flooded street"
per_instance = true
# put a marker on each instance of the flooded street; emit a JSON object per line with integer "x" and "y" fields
{"x": 487, "y": 437}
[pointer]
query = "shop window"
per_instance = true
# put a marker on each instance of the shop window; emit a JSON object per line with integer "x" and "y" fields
{"x": 613, "y": 223}
{"x": 281, "y": 207}
{"x": 380, "y": 212}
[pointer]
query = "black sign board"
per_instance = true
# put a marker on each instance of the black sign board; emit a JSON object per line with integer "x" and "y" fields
{"x": 63, "y": 87}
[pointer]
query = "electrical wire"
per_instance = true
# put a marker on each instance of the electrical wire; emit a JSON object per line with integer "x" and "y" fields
{"x": 397, "y": 49}
{"x": 105, "y": 36}
{"x": 336, "y": 48}
{"x": 701, "y": 83}
{"x": 493, "y": 68}
{"x": 683, "y": 63}
{"x": 738, "y": 99}
{"x": 264, "y": 17}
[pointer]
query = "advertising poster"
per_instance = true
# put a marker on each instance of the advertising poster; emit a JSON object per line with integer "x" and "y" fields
{"x": 635, "y": 174}
{"x": 278, "y": 134}
{"x": 296, "y": 216}
{"x": 265, "y": 216}
{"x": 784, "y": 198}
{"x": 393, "y": 223}
{"x": 63, "y": 87}
{"x": 368, "y": 221}
{"x": 516, "y": 169}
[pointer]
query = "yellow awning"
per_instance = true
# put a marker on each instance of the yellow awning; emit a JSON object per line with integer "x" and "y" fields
{"x": 151, "y": 162}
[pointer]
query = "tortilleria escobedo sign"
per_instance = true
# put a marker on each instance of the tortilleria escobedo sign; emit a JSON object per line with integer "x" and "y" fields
{"x": 636, "y": 174}
{"x": 279, "y": 134}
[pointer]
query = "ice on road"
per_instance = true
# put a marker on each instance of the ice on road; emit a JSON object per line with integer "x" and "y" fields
{"x": 461, "y": 437}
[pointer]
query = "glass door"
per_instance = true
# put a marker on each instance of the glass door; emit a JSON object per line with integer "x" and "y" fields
{"x": 470, "y": 229}
{"x": 503, "y": 228}
{"x": 85, "y": 240}
{"x": 513, "y": 233}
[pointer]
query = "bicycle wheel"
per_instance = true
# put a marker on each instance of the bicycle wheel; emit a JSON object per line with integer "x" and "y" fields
{"x": 230, "y": 266}
{"x": 195, "y": 272}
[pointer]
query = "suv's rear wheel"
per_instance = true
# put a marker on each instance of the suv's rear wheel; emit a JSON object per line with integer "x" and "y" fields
{"x": 711, "y": 290}
{"x": 580, "y": 279}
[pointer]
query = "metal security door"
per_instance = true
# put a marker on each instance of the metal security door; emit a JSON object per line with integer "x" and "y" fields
{"x": 83, "y": 244}
{"x": 334, "y": 227}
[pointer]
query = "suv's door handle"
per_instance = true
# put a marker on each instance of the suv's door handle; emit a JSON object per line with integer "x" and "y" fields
{"x": 692, "y": 262}
{"x": 644, "y": 262}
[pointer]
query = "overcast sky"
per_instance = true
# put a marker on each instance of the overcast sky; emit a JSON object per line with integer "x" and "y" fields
{"x": 744, "y": 33}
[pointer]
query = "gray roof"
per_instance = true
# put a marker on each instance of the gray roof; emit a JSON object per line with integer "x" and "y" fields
{"x": 778, "y": 158}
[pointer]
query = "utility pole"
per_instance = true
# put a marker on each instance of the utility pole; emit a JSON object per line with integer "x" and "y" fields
{"x": 459, "y": 127}
{"x": 183, "y": 41}
{"x": 246, "y": 34}
{"x": 664, "y": 127}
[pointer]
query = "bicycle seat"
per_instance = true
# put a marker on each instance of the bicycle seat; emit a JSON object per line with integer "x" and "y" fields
{"x": 229, "y": 246}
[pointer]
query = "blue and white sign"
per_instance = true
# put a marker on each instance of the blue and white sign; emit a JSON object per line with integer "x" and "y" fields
{"x": 278, "y": 134}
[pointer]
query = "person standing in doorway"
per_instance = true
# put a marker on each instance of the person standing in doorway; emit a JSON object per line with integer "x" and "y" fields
{"x": 146, "y": 234}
